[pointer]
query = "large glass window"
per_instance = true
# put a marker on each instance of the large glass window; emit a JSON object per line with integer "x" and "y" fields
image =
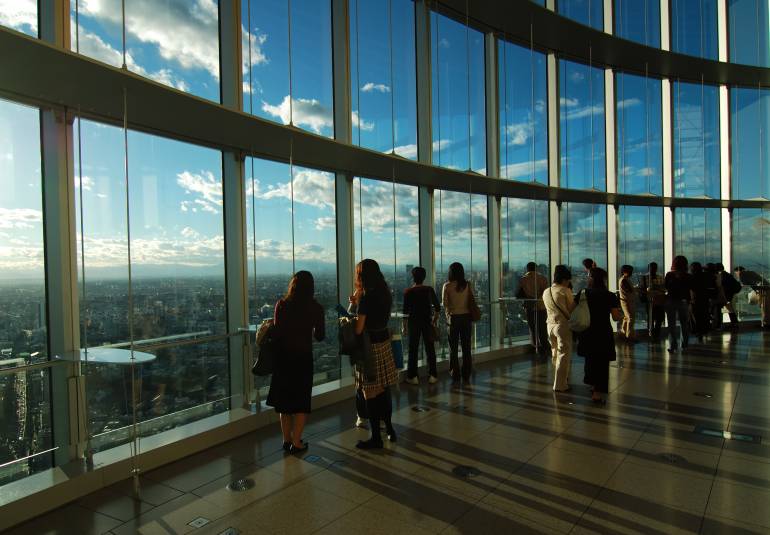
{"x": 751, "y": 249}
{"x": 25, "y": 409}
{"x": 749, "y": 31}
{"x": 175, "y": 43}
{"x": 750, "y": 143}
{"x": 523, "y": 113}
{"x": 583, "y": 235}
{"x": 525, "y": 237}
{"x": 588, "y": 12}
{"x": 696, "y": 140}
{"x": 581, "y": 120}
{"x": 20, "y": 15}
{"x": 151, "y": 275}
{"x": 698, "y": 234}
{"x": 639, "y": 134}
{"x": 459, "y": 120}
{"x": 694, "y": 28}
{"x": 287, "y": 62}
{"x": 638, "y": 21}
{"x": 460, "y": 221}
{"x": 383, "y": 76}
{"x": 291, "y": 225}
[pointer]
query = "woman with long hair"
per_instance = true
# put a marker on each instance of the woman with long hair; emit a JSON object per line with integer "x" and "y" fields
{"x": 298, "y": 318}
{"x": 597, "y": 343}
{"x": 373, "y": 300}
{"x": 678, "y": 295}
{"x": 456, "y": 296}
{"x": 559, "y": 304}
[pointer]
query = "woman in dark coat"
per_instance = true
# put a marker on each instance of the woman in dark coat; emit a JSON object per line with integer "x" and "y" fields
{"x": 298, "y": 319}
{"x": 597, "y": 343}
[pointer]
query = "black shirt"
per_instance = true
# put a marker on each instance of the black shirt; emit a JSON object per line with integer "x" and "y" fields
{"x": 375, "y": 305}
{"x": 420, "y": 302}
{"x": 678, "y": 286}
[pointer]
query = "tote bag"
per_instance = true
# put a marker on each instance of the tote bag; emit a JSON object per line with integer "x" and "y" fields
{"x": 580, "y": 319}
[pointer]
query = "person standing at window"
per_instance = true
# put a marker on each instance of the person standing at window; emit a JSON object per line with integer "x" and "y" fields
{"x": 597, "y": 343}
{"x": 627, "y": 303}
{"x": 531, "y": 287}
{"x": 678, "y": 287}
{"x": 373, "y": 314}
{"x": 298, "y": 318}
{"x": 654, "y": 288}
{"x": 455, "y": 297}
{"x": 559, "y": 304}
{"x": 700, "y": 305}
{"x": 421, "y": 307}
{"x": 761, "y": 286}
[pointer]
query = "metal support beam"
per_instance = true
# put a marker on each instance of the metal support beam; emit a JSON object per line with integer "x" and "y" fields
{"x": 554, "y": 223}
{"x": 725, "y": 174}
{"x": 722, "y": 29}
{"x": 665, "y": 25}
{"x": 611, "y": 170}
{"x": 608, "y": 19}
{"x": 668, "y": 169}
{"x": 612, "y": 246}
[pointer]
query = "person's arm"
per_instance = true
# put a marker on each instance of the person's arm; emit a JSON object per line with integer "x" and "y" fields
{"x": 569, "y": 301}
{"x": 436, "y": 305}
{"x": 615, "y": 311}
{"x": 319, "y": 331}
{"x": 445, "y": 300}
{"x": 361, "y": 318}
{"x": 617, "y": 314}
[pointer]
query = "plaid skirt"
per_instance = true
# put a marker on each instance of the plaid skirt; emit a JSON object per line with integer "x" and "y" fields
{"x": 386, "y": 374}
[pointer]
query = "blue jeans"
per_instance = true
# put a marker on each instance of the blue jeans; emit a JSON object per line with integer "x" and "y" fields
{"x": 680, "y": 309}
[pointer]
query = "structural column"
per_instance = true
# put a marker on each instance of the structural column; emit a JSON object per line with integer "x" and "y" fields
{"x": 667, "y": 141}
{"x": 611, "y": 171}
{"x": 724, "y": 138}
{"x": 553, "y": 157}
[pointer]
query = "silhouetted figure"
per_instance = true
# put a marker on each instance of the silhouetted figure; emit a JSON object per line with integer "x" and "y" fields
{"x": 727, "y": 287}
{"x": 559, "y": 303}
{"x": 422, "y": 308}
{"x": 654, "y": 291}
{"x": 701, "y": 294}
{"x": 760, "y": 285}
{"x": 455, "y": 297}
{"x": 628, "y": 299}
{"x": 531, "y": 287}
{"x": 678, "y": 287}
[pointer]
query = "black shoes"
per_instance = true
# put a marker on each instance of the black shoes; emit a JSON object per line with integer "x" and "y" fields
{"x": 370, "y": 444}
{"x": 297, "y": 449}
{"x": 287, "y": 447}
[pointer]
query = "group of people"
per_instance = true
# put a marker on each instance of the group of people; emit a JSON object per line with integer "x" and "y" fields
{"x": 299, "y": 318}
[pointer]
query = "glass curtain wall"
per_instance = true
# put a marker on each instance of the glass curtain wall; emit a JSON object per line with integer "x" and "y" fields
{"x": 460, "y": 223}
{"x": 751, "y": 249}
{"x": 20, "y": 15}
{"x": 173, "y": 43}
{"x": 151, "y": 281}
{"x": 750, "y": 142}
{"x": 287, "y": 63}
{"x": 525, "y": 237}
{"x": 291, "y": 226}
{"x": 383, "y": 76}
{"x": 458, "y": 100}
{"x": 523, "y": 113}
{"x": 583, "y": 235}
{"x": 581, "y": 122}
{"x": 749, "y": 32}
{"x": 588, "y": 12}
{"x": 696, "y": 140}
{"x": 698, "y": 234}
{"x": 694, "y": 29}
{"x": 639, "y": 135}
{"x": 25, "y": 405}
{"x": 638, "y": 21}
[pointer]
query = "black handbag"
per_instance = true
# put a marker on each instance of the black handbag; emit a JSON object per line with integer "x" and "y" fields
{"x": 266, "y": 350}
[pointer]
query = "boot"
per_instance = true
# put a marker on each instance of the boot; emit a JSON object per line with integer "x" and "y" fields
{"x": 733, "y": 322}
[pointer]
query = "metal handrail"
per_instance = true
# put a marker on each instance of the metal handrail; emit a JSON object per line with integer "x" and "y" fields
{"x": 30, "y": 367}
{"x": 143, "y": 346}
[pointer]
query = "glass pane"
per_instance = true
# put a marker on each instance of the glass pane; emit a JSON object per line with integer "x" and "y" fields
{"x": 459, "y": 121}
{"x": 581, "y": 119}
{"x": 698, "y": 234}
{"x": 382, "y": 71}
{"x": 749, "y": 31}
{"x": 694, "y": 28}
{"x": 638, "y": 21}
{"x": 523, "y": 114}
{"x": 290, "y": 90}
{"x": 696, "y": 140}
{"x": 20, "y": 15}
{"x": 583, "y": 235}
{"x": 751, "y": 250}
{"x": 588, "y": 12}
{"x": 172, "y": 42}
{"x": 639, "y": 134}
{"x": 750, "y": 131}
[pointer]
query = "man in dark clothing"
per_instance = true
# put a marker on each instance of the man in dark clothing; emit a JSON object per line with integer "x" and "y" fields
{"x": 531, "y": 287}
{"x": 422, "y": 308}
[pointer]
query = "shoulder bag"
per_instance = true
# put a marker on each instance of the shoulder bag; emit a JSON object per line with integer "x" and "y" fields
{"x": 265, "y": 349}
{"x": 580, "y": 319}
{"x": 473, "y": 308}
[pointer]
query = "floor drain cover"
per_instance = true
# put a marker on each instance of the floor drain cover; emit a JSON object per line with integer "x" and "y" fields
{"x": 727, "y": 435}
{"x": 703, "y": 394}
{"x": 420, "y": 408}
{"x": 466, "y": 471}
{"x": 672, "y": 458}
{"x": 239, "y": 485}
{"x": 198, "y": 522}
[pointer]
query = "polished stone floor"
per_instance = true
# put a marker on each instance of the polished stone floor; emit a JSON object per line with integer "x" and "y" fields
{"x": 534, "y": 462}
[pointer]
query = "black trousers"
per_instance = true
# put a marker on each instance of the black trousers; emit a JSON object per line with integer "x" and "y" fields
{"x": 421, "y": 328}
{"x": 538, "y": 334}
{"x": 597, "y": 373}
{"x": 655, "y": 315}
{"x": 460, "y": 331}
{"x": 380, "y": 408}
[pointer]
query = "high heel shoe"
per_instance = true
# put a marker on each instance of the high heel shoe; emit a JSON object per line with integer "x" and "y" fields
{"x": 391, "y": 432}
{"x": 298, "y": 449}
{"x": 286, "y": 447}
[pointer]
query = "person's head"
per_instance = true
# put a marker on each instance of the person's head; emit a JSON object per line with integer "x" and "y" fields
{"x": 696, "y": 268}
{"x": 597, "y": 279}
{"x": 301, "y": 287}
{"x": 739, "y": 270}
{"x": 457, "y": 275}
{"x": 419, "y": 274}
{"x": 561, "y": 274}
{"x": 720, "y": 266}
{"x": 679, "y": 264}
{"x": 588, "y": 264}
{"x": 626, "y": 270}
{"x": 531, "y": 266}
{"x": 710, "y": 267}
{"x": 369, "y": 277}
{"x": 653, "y": 267}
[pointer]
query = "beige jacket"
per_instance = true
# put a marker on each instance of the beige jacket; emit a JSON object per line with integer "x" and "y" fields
{"x": 533, "y": 284}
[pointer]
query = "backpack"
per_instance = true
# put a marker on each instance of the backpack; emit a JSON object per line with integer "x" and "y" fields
{"x": 580, "y": 319}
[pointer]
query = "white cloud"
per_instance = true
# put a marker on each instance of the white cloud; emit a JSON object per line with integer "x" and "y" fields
{"x": 18, "y": 14}
{"x": 205, "y": 186}
{"x": 86, "y": 181}
{"x": 568, "y": 102}
{"x": 518, "y": 133}
{"x": 363, "y": 124}
{"x": 410, "y": 150}
{"x": 629, "y": 103}
{"x": 18, "y": 218}
{"x": 585, "y": 111}
{"x": 304, "y": 112}
{"x": 189, "y": 232}
{"x": 311, "y": 187}
{"x": 523, "y": 170}
{"x": 324, "y": 223}
{"x": 368, "y": 87}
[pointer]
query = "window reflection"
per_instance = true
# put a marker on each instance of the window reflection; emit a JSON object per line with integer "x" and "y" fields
{"x": 588, "y": 12}
{"x": 694, "y": 28}
{"x": 750, "y": 126}
{"x": 638, "y": 21}
{"x": 21, "y": 15}
{"x": 749, "y": 31}
{"x": 750, "y": 249}
{"x": 583, "y": 235}
{"x": 698, "y": 234}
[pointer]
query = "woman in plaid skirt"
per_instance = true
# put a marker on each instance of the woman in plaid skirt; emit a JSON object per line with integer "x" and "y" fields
{"x": 374, "y": 302}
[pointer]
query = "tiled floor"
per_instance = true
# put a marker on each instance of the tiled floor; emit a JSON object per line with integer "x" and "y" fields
{"x": 546, "y": 463}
